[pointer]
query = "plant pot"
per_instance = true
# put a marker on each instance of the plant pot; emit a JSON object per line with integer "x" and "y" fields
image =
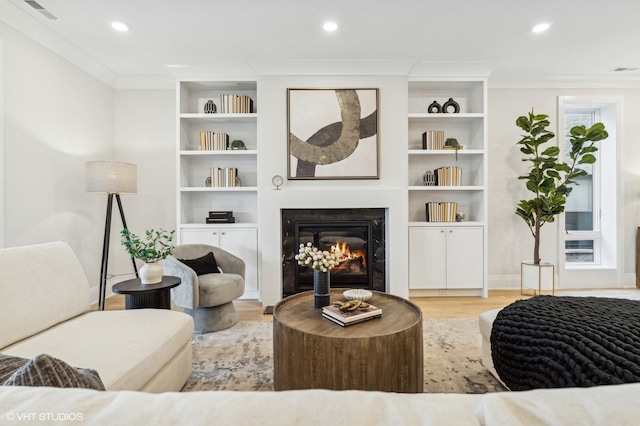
{"x": 151, "y": 273}
{"x": 537, "y": 279}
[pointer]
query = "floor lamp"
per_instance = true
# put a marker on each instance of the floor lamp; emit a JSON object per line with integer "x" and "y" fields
{"x": 112, "y": 178}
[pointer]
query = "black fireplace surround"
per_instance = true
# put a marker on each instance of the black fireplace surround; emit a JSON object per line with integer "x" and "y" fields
{"x": 359, "y": 234}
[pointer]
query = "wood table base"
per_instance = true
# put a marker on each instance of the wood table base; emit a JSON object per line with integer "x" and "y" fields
{"x": 311, "y": 352}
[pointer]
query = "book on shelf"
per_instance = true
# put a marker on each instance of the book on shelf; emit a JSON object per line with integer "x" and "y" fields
{"x": 220, "y": 214}
{"x": 212, "y": 141}
{"x": 220, "y": 217}
{"x": 220, "y": 220}
{"x": 345, "y": 324}
{"x": 433, "y": 139}
{"x": 236, "y": 104}
{"x": 448, "y": 176}
{"x": 334, "y": 313}
{"x": 223, "y": 177}
{"x": 441, "y": 211}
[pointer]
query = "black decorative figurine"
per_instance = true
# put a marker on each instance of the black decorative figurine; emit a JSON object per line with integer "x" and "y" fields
{"x": 434, "y": 108}
{"x": 209, "y": 107}
{"x": 451, "y": 103}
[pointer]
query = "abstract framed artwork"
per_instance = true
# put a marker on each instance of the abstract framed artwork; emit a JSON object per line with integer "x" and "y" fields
{"x": 333, "y": 133}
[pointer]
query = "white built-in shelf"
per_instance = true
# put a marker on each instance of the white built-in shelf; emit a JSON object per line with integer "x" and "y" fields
{"x": 446, "y": 152}
{"x": 446, "y": 116}
{"x": 448, "y": 224}
{"x": 446, "y": 188}
{"x": 219, "y": 225}
{"x": 218, "y": 189}
{"x": 228, "y": 118}
{"x": 195, "y": 152}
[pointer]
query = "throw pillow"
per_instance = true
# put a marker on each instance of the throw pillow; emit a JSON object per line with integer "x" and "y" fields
{"x": 202, "y": 265}
{"x": 9, "y": 365}
{"x": 45, "y": 370}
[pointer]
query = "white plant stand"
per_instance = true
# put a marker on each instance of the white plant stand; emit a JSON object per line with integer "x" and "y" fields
{"x": 537, "y": 279}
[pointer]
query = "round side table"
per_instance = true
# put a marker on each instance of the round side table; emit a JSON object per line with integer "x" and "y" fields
{"x": 139, "y": 296}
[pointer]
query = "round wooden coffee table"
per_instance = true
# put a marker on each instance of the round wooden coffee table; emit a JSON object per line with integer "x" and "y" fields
{"x": 383, "y": 354}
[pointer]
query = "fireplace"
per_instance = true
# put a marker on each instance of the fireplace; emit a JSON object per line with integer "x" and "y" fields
{"x": 357, "y": 234}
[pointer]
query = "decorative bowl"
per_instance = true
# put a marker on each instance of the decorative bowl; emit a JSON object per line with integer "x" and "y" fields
{"x": 357, "y": 294}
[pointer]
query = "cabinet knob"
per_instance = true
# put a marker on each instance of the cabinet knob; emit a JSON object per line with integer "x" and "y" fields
{"x": 215, "y": 233}
{"x": 450, "y": 231}
{"x": 224, "y": 233}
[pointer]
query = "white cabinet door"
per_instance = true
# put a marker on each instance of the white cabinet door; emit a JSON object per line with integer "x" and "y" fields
{"x": 244, "y": 244}
{"x": 465, "y": 257}
{"x": 241, "y": 242}
{"x": 200, "y": 236}
{"x": 427, "y": 258}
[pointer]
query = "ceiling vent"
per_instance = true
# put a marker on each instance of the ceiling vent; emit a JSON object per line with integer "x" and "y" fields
{"x": 625, "y": 69}
{"x": 38, "y": 7}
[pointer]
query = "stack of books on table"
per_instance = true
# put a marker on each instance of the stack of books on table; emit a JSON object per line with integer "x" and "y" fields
{"x": 346, "y": 318}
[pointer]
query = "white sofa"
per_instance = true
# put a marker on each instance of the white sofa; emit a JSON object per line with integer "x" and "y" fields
{"x": 45, "y": 305}
{"x": 605, "y": 405}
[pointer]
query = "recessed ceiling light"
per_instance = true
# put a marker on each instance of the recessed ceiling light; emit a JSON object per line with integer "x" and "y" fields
{"x": 120, "y": 26}
{"x": 330, "y": 26}
{"x": 541, "y": 27}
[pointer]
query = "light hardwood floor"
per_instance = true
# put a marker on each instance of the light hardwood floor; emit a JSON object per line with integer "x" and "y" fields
{"x": 432, "y": 307}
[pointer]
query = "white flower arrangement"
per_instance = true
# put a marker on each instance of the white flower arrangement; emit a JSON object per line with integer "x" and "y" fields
{"x": 318, "y": 260}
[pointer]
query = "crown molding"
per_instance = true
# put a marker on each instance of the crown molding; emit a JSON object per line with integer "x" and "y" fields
{"x": 31, "y": 26}
{"x": 608, "y": 81}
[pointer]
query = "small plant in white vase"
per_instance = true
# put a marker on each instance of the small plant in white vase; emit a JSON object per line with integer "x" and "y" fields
{"x": 155, "y": 246}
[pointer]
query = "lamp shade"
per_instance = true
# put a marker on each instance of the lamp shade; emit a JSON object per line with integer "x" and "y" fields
{"x": 111, "y": 177}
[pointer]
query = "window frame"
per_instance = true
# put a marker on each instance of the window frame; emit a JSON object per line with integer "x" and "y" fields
{"x": 609, "y": 272}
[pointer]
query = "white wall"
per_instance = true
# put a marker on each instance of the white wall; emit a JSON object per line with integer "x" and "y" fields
{"x": 56, "y": 118}
{"x": 145, "y": 135}
{"x": 389, "y": 191}
{"x": 2, "y": 156}
{"x": 509, "y": 238}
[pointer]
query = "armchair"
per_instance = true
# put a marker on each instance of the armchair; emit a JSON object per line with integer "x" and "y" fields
{"x": 208, "y": 297}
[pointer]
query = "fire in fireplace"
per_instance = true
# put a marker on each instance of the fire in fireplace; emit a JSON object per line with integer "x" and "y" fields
{"x": 350, "y": 261}
{"x": 339, "y": 236}
{"x": 356, "y": 234}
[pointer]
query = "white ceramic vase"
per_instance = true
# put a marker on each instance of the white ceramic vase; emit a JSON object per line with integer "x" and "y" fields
{"x": 151, "y": 272}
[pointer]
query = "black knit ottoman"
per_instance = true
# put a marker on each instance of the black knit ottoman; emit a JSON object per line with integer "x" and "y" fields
{"x": 555, "y": 342}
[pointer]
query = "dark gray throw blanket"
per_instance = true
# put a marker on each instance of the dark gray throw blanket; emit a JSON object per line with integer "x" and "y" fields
{"x": 554, "y": 342}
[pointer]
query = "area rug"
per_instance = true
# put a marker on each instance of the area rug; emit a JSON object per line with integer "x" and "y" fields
{"x": 241, "y": 358}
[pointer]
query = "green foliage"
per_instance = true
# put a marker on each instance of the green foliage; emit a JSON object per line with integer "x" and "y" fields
{"x": 550, "y": 179}
{"x": 156, "y": 246}
{"x": 454, "y": 143}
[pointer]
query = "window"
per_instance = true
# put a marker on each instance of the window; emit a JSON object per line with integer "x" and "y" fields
{"x": 581, "y": 210}
{"x": 590, "y": 238}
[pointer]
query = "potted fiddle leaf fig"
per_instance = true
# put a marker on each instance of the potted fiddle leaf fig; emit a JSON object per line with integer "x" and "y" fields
{"x": 549, "y": 179}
